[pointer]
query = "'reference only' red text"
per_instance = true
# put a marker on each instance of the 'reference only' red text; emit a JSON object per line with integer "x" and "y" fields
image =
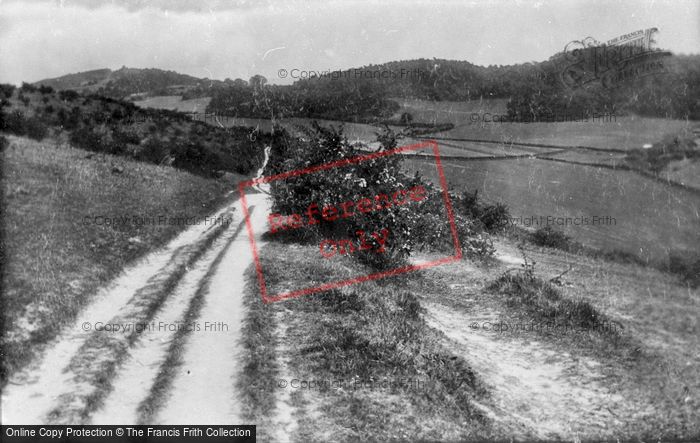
{"x": 330, "y": 213}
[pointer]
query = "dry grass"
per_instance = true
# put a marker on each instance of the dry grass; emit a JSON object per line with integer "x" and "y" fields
{"x": 650, "y": 358}
{"x": 56, "y": 255}
{"x": 372, "y": 332}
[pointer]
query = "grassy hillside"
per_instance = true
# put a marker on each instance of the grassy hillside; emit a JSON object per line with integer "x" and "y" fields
{"x": 102, "y": 124}
{"x": 59, "y": 245}
{"x": 335, "y": 361}
{"x": 358, "y": 361}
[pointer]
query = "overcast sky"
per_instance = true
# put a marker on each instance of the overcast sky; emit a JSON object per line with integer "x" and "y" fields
{"x": 219, "y": 39}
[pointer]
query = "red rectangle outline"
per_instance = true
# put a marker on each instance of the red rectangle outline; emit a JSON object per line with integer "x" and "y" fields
{"x": 343, "y": 162}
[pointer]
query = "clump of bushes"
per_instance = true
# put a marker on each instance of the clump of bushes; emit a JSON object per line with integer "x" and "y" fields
{"x": 27, "y": 87}
{"x": 492, "y": 218}
{"x": 687, "y": 267}
{"x": 524, "y": 290}
{"x": 378, "y": 176}
{"x": 68, "y": 95}
{"x": 433, "y": 230}
{"x": 551, "y": 238}
{"x": 16, "y": 123}
{"x": 88, "y": 139}
{"x": 36, "y": 129}
{"x": 656, "y": 158}
{"x": 6, "y": 90}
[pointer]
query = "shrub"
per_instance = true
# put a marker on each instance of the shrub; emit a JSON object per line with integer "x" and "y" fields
{"x": 492, "y": 218}
{"x": 542, "y": 301}
{"x": 88, "y": 139}
{"x": 6, "y": 90}
{"x": 36, "y": 128}
{"x": 378, "y": 176}
{"x": 551, "y": 238}
{"x": 687, "y": 267}
{"x": 44, "y": 89}
{"x": 655, "y": 159}
{"x": 68, "y": 95}
{"x": 26, "y": 87}
{"x": 70, "y": 120}
{"x": 14, "y": 123}
{"x": 434, "y": 231}
{"x": 154, "y": 150}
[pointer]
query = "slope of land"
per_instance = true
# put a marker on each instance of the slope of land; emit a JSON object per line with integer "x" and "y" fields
{"x": 150, "y": 344}
{"x": 524, "y": 382}
{"x": 72, "y": 221}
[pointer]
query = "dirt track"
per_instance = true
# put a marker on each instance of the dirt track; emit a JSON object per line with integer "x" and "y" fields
{"x": 155, "y": 373}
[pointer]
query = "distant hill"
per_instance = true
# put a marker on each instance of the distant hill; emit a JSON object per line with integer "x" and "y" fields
{"x": 132, "y": 83}
{"x": 533, "y": 91}
{"x": 655, "y": 84}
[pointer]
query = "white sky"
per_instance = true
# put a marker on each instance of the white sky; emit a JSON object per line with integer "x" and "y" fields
{"x": 218, "y": 39}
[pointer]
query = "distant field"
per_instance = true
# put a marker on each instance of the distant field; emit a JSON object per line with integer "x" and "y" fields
{"x": 353, "y": 131}
{"x": 449, "y": 112}
{"x": 175, "y": 103}
{"x": 624, "y": 134}
{"x": 587, "y": 156}
{"x": 651, "y": 218}
{"x": 613, "y": 133}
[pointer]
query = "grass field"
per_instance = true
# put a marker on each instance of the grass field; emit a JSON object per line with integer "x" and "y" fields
{"x": 175, "y": 103}
{"x": 644, "y": 374}
{"x": 621, "y": 132}
{"x": 456, "y": 113}
{"x": 649, "y": 364}
{"x": 59, "y": 246}
{"x": 369, "y": 364}
{"x": 651, "y": 219}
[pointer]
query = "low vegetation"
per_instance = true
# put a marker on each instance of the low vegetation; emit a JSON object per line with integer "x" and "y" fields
{"x": 105, "y": 125}
{"x": 492, "y": 217}
{"x": 71, "y": 223}
{"x": 657, "y": 158}
{"x": 551, "y": 238}
{"x": 544, "y": 302}
{"x": 378, "y": 369}
{"x": 684, "y": 265}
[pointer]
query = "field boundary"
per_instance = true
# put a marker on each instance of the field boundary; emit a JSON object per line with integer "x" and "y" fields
{"x": 534, "y": 145}
{"x": 545, "y": 156}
